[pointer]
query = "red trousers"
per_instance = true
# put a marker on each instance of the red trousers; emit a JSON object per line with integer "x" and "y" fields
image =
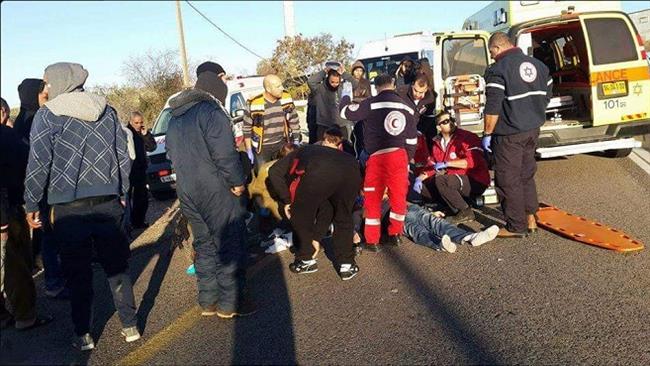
{"x": 385, "y": 170}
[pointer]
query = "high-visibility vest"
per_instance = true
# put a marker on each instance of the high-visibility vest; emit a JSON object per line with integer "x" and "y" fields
{"x": 256, "y": 107}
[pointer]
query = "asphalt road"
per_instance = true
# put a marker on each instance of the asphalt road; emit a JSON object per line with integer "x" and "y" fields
{"x": 540, "y": 300}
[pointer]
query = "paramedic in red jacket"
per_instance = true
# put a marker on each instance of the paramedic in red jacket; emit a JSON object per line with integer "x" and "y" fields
{"x": 456, "y": 168}
{"x": 390, "y": 138}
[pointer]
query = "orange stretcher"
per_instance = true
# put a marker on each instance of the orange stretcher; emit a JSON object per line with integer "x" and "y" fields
{"x": 585, "y": 230}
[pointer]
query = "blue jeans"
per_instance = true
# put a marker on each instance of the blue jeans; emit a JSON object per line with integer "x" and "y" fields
{"x": 426, "y": 229}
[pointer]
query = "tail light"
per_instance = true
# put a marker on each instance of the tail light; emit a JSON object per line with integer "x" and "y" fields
{"x": 639, "y": 40}
{"x": 164, "y": 172}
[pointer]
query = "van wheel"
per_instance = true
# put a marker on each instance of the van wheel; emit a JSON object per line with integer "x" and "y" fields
{"x": 618, "y": 153}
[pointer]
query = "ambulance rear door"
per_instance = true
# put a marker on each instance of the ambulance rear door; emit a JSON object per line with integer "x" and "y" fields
{"x": 619, "y": 73}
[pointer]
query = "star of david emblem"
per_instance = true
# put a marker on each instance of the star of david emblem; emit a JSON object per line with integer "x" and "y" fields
{"x": 528, "y": 71}
{"x": 637, "y": 89}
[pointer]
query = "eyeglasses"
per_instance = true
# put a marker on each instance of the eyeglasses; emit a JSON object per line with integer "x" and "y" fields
{"x": 444, "y": 122}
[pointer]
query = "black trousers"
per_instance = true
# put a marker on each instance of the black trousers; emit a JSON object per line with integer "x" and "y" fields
{"x": 269, "y": 152}
{"x": 514, "y": 177}
{"x": 139, "y": 202}
{"x": 319, "y": 192}
{"x": 91, "y": 228}
{"x": 452, "y": 189}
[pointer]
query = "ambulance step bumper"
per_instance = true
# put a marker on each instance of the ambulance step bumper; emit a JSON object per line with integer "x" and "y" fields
{"x": 552, "y": 152}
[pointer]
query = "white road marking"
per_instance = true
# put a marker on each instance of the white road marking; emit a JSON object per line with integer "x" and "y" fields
{"x": 641, "y": 158}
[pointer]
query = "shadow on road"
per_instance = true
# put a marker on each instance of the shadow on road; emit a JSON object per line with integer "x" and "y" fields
{"x": 267, "y": 336}
{"x": 457, "y": 330}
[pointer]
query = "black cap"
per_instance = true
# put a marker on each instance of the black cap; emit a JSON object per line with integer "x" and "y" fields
{"x": 210, "y": 67}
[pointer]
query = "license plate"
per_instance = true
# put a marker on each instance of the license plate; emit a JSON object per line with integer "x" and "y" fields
{"x": 168, "y": 178}
{"x": 614, "y": 89}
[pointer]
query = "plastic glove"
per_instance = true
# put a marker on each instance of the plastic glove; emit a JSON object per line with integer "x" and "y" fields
{"x": 440, "y": 166}
{"x": 487, "y": 142}
{"x": 417, "y": 186}
{"x": 251, "y": 156}
{"x": 347, "y": 89}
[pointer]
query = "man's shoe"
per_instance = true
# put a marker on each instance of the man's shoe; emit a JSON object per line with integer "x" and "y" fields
{"x": 505, "y": 234}
{"x": 462, "y": 216}
{"x": 393, "y": 240}
{"x": 83, "y": 343}
{"x": 484, "y": 236}
{"x": 447, "y": 245}
{"x": 209, "y": 310}
{"x": 375, "y": 248}
{"x": 532, "y": 224}
{"x": 303, "y": 267}
{"x": 61, "y": 293}
{"x": 347, "y": 271}
{"x": 131, "y": 334}
{"x": 244, "y": 309}
{"x": 358, "y": 248}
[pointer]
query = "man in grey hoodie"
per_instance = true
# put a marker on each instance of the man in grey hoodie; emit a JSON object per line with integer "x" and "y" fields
{"x": 79, "y": 156}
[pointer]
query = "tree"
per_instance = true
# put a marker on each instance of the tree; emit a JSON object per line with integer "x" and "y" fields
{"x": 298, "y": 56}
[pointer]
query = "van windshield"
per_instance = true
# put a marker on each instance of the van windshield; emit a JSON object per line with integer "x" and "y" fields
{"x": 385, "y": 64}
{"x": 463, "y": 56}
{"x": 611, "y": 41}
{"x": 160, "y": 127}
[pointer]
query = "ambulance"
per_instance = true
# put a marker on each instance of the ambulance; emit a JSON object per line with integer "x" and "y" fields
{"x": 601, "y": 79}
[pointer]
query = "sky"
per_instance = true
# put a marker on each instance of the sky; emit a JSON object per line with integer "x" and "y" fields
{"x": 102, "y": 35}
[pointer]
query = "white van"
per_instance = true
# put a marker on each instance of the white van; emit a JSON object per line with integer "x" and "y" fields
{"x": 160, "y": 174}
{"x": 601, "y": 79}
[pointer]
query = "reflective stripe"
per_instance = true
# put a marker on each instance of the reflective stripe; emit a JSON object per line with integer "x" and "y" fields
{"x": 519, "y": 96}
{"x": 342, "y": 114}
{"x": 286, "y": 101}
{"x": 391, "y": 105}
{"x": 373, "y": 222}
{"x": 368, "y": 189}
{"x": 385, "y": 151}
{"x": 461, "y": 181}
{"x": 257, "y": 107}
{"x": 474, "y": 148}
{"x": 412, "y": 141}
{"x": 397, "y": 217}
{"x": 550, "y": 82}
{"x": 495, "y": 85}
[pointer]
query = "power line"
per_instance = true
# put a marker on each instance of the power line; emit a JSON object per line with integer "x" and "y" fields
{"x": 221, "y": 30}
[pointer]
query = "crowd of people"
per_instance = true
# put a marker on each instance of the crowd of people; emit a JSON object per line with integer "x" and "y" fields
{"x": 375, "y": 169}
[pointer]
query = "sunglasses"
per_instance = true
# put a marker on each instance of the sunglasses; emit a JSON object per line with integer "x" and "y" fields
{"x": 447, "y": 121}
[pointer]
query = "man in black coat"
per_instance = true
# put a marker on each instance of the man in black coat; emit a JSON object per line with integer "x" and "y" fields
{"x": 143, "y": 142}
{"x": 33, "y": 95}
{"x": 209, "y": 183}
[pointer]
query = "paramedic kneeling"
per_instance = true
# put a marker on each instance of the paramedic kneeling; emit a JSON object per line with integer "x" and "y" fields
{"x": 518, "y": 89}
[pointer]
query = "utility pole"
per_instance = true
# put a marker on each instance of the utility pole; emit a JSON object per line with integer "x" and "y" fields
{"x": 181, "y": 34}
{"x": 289, "y": 26}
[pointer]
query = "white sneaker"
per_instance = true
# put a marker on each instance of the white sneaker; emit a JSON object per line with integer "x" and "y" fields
{"x": 484, "y": 236}
{"x": 131, "y": 334}
{"x": 448, "y": 245}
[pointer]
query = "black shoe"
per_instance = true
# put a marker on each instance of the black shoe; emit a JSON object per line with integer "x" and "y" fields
{"x": 393, "y": 240}
{"x": 375, "y": 248}
{"x": 347, "y": 271}
{"x": 463, "y": 216}
{"x": 244, "y": 309}
{"x": 303, "y": 267}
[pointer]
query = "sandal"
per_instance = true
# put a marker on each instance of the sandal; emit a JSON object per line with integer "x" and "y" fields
{"x": 38, "y": 322}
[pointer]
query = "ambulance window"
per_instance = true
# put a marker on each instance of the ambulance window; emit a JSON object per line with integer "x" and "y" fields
{"x": 463, "y": 56}
{"x": 610, "y": 41}
{"x": 237, "y": 102}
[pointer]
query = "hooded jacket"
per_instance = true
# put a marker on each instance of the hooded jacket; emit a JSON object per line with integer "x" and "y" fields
{"x": 78, "y": 148}
{"x": 201, "y": 146}
{"x": 327, "y": 100}
{"x": 362, "y": 90}
{"x": 28, "y": 93}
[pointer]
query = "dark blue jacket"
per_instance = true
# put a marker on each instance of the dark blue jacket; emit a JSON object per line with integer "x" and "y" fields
{"x": 201, "y": 146}
{"x": 518, "y": 89}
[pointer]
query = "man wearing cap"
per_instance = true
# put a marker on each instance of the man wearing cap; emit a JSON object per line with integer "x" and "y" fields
{"x": 456, "y": 169}
{"x": 78, "y": 154}
{"x": 210, "y": 182}
{"x": 270, "y": 122}
{"x": 518, "y": 88}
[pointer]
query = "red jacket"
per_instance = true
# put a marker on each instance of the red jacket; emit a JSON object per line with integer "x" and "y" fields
{"x": 462, "y": 145}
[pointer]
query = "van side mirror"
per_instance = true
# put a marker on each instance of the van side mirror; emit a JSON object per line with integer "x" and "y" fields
{"x": 525, "y": 42}
{"x": 237, "y": 113}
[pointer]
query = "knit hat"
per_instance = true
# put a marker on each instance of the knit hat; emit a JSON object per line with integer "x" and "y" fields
{"x": 210, "y": 66}
{"x": 209, "y": 81}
